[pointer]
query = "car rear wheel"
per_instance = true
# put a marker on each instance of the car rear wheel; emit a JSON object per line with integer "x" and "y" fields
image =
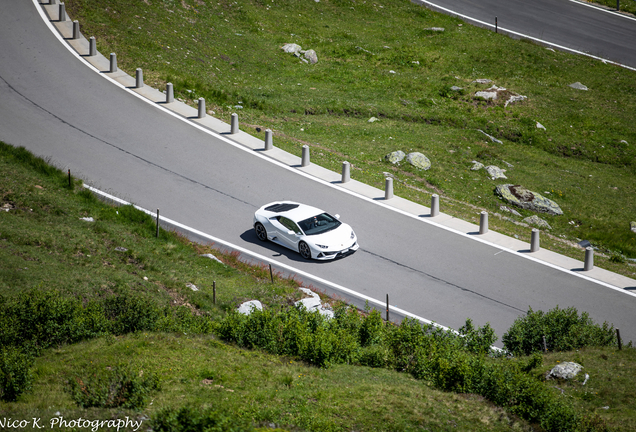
{"x": 304, "y": 250}
{"x": 261, "y": 232}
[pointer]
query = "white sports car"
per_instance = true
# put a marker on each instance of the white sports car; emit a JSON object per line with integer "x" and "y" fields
{"x": 308, "y": 230}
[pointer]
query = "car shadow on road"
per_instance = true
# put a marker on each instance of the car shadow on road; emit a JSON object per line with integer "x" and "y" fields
{"x": 276, "y": 250}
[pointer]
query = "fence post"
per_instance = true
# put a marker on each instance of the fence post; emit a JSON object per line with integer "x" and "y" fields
{"x": 545, "y": 345}
{"x": 483, "y": 222}
{"x": 346, "y": 172}
{"x": 388, "y": 188}
{"x": 202, "y": 112}
{"x": 534, "y": 240}
{"x": 589, "y": 259}
{"x": 113, "y": 62}
{"x": 157, "y": 233}
{"x": 213, "y": 292}
{"x": 304, "y": 160}
{"x": 268, "y": 139}
{"x": 618, "y": 337}
{"x": 139, "y": 78}
{"x": 387, "y": 308}
{"x": 76, "y": 30}
{"x": 234, "y": 124}
{"x": 169, "y": 93}
{"x": 434, "y": 205}
{"x": 92, "y": 46}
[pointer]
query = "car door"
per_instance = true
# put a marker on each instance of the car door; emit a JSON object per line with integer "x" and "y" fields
{"x": 283, "y": 227}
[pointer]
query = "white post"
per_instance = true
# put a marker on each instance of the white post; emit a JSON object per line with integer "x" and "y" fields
{"x": 305, "y": 156}
{"x": 113, "y": 62}
{"x": 388, "y": 188}
{"x": 483, "y": 222}
{"x": 202, "y": 112}
{"x": 534, "y": 240}
{"x": 234, "y": 124}
{"x": 139, "y": 78}
{"x": 434, "y": 205}
{"x": 268, "y": 139}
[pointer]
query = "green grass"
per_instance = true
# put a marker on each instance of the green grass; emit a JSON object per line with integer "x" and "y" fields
{"x": 628, "y": 6}
{"x": 229, "y": 53}
{"x": 44, "y": 245}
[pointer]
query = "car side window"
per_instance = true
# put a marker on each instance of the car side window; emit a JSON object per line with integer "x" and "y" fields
{"x": 289, "y": 224}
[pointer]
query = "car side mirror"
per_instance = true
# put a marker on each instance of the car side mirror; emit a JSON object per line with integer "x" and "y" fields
{"x": 290, "y": 232}
{"x": 337, "y": 216}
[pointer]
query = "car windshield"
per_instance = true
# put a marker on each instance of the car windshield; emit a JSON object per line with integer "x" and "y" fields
{"x": 319, "y": 224}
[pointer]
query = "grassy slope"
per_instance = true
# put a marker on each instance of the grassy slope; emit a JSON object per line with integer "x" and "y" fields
{"x": 229, "y": 53}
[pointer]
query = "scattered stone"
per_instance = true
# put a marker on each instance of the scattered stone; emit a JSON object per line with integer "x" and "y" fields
{"x": 537, "y": 221}
{"x": 508, "y": 164}
{"x": 313, "y": 304}
{"x": 311, "y": 56}
{"x": 395, "y": 157}
{"x": 540, "y": 126}
{"x": 492, "y": 138}
{"x": 456, "y": 89}
{"x": 418, "y": 160}
{"x": 193, "y": 287}
{"x": 482, "y": 81}
{"x": 291, "y": 48}
{"x": 624, "y": 142}
{"x": 632, "y": 226}
{"x": 495, "y": 172}
{"x": 606, "y": 407}
{"x": 88, "y": 219}
{"x": 7, "y": 206}
{"x": 565, "y": 370}
{"x": 486, "y": 94}
{"x": 372, "y": 119}
{"x": 522, "y": 197}
{"x": 121, "y": 249}
{"x": 477, "y": 166}
{"x": 509, "y": 210}
{"x": 392, "y": 71}
{"x": 435, "y": 29}
{"x": 586, "y": 378}
{"x": 212, "y": 257}
{"x": 247, "y": 307}
{"x": 366, "y": 51}
{"x": 514, "y": 98}
{"x": 577, "y": 85}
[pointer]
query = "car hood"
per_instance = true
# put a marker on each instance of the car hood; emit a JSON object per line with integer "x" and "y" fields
{"x": 340, "y": 237}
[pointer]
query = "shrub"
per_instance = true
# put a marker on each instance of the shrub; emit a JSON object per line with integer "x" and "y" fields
{"x": 195, "y": 419}
{"x": 121, "y": 386}
{"x": 563, "y": 329}
{"x": 130, "y": 312}
{"x": 477, "y": 340}
{"x": 15, "y": 373}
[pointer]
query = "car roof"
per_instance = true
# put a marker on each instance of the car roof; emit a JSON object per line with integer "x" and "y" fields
{"x": 292, "y": 210}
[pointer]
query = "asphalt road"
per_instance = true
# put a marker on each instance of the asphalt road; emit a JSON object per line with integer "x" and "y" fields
{"x": 574, "y": 25}
{"x": 56, "y": 107}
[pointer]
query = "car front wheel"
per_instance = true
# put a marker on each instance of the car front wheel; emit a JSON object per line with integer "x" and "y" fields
{"x": 304, "y": 250}
{"x": 261, "y": 232}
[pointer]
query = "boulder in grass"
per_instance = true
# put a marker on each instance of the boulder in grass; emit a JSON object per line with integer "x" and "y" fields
{"x": 291, "y": 48}
{"x": 524, "y": 198}
{"x": 632, "y": 226}
{"x": 249, "y": 306}
{"x": 477, "y": 166}
{"x": 577, "y": 85}
{"x": 395, "y": 157}
{"x": 418, "y": 160}
{"x": 565, "y": 370}
{"x": 495, "y": 172}
{"x": 537, "y": 221}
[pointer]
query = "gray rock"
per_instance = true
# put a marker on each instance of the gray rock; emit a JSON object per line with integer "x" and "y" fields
{"x": 212, "y": 257}
{"x": 492, "y": 138}
{"x": 488, "y": 95}
{"x": 577, "y": 85}
{"x": 522, "y": 197}
{"x": 456, "y": 89}
{"x": 435, "y": 29}
{"x": 395, "y": 157}
{"x": 477, "y": 166}
{"x": 482, "y": 81}
{"x": 540, "y": 126}
{"x": 372, "y": 120}
{"x": 495, "y": 172}
{"x": 537, "y": 221}
{"x": 313, "y": 304}
{"x": 509, "y": 210}
{"x": 418, "y": 160}
{"x": 291, "y": 48}
{"x": 624, "y": 142}
{"x": 632, "y": 226}
{"x": 247, "y": 307}
{"x": 565, "y": 370}
{"x": 515, "y": 98}
{"x": 193, "y": 287}
{"x": 121, "y": 249}
{"x": 311, "y": 56}
{"x": 87, "y": 219}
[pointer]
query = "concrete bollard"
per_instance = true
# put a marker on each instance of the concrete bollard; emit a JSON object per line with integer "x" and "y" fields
{"x": 346, "y": 172}
{"x": 202, "y": 112}
{"x": 92, "y": 46}
{"x": 76, "y": 30}
{"x": 52, "y": 2}
{"x": 234, "y": 124}
{"x": 388, "y": 188}
{"x": 534, "y": 240}
{"x": 269, "y": 144}
{"x": 62, "y": 12}
{"x": 305, "y": 156}
{"x": 169, "y": 93}
{"x": 434, "y": 205}
{"x": 113, "y": 62}
{"x": 483, "y": 222}
{"x": 139, "y": 78}
{"x": 589, "y": 259}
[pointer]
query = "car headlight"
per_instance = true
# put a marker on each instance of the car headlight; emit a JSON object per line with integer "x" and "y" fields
{"x": 321, "y": 246}
{"x": 352, "y": 235}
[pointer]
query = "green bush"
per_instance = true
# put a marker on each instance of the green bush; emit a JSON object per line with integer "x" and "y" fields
{"x": 121, "y": 386}
{"x": 477, "y": 340}
{"x": 563, "y": 329}
{"x": 195, "y": 419}
{"x": 15, "y": 373}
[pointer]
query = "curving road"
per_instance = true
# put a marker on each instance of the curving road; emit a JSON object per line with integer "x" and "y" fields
{"x": 570, "y": 24}
{"x": 54, "y": 105}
